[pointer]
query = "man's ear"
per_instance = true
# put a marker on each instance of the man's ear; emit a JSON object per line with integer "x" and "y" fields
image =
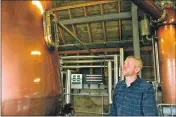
{"x": 137, "y": 69}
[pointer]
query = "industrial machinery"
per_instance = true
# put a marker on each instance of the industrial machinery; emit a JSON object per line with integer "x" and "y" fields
{"x": 31, "y": 83}
{"x": 87, "y": 81}
{"x": 78, "y": 83}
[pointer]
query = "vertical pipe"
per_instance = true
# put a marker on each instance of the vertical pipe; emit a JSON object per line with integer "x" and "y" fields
{"x": 62, "y": 74}
{"x": 1, "y": 110}
{"x": 102, "y": 103}
{"x": 157, "y": 62}
{"x": 155, "y": 67}
{"x": 109, "y": 82}
{"x": 167, "y": 55}
{"x": 68, "y": 86}
{"x": 154, "y": 60}
{"x": 121, "y": 63}
{"x": 115, "y": 70}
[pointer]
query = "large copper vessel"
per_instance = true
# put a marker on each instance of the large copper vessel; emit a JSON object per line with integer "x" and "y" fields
{"x": 31, "y": 83}
{"x": 167, "y": 55}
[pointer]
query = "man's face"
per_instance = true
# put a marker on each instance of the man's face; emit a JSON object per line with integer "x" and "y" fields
{"x": 130, "y": 68}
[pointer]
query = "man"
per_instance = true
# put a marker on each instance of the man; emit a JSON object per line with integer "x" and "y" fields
{"x": 133, "y": 96}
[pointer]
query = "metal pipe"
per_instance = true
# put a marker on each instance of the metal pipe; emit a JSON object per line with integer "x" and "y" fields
{"x": 68, "y": 86}
{"x": 154, "y": 59}
{"x": 164, "y": 109}
{"x": 150, "y": 8}
{"x": 69, "y": 32}
{"x": 167, "y": 55}
{"x": 102, "y": 105}
{"x": 84, "y": 66}
{"x": 82, "y": 57}
{"x": 72, "y": 71}
{"x": 91, "y": 112}
{"x": 157, "y": 62}
{"x": 62, "y": 78}
{"x": 110, "y": 82}
{"x": 154, "y": 67}
{"x": 115, "y": 70}
{"x": 93, "y": 45}
{"x": 121, "y": 63}
{"x": 93, "y": 95}
{"x": 86, "y": 61}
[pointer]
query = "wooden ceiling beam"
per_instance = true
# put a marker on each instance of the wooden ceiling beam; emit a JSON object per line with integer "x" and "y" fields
{"x": 61, "y": 34}
{"x": 120, "y": 21}
{"x": 81, "y": 5}
{"x": 88, "y": 26}
{"x": 146, "y": 48}
{"x": 103, "y": 24}
{"x": 73, "y": 25}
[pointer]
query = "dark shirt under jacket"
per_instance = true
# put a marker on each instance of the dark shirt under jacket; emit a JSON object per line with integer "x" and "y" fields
{"x": 135, "y": 100}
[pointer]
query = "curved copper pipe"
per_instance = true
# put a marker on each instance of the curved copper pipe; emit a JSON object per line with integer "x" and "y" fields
{"x": 149, "y": 7}
{"x": 30, "y": 75}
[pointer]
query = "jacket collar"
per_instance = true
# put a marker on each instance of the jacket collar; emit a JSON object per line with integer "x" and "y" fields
{"x": 136, "y": 82}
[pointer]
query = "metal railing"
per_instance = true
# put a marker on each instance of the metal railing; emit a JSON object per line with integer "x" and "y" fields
{"x": 166, "y": 109}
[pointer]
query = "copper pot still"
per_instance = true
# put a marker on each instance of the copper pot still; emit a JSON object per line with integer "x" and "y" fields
{"x": 31, "y": 83}
{"x": 167, "y": 55}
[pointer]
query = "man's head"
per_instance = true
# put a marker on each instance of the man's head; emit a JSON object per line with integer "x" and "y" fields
{"x": 132, "y": 66}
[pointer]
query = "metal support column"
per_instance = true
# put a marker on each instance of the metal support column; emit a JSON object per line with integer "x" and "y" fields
{"x": 135, "y": 30}
{"x": 136, "y": 42}
{"x": 68, "y": 86}
{"x": 121, "y": 63}
{"x": 110, "y": 82}
{"x": 116, "y": 76}
{"x": 157, "y": 62}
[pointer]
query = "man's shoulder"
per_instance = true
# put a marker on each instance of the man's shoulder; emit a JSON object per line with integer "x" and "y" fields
{"x": 121, "y": 82}
{"x": 144, "y": 85}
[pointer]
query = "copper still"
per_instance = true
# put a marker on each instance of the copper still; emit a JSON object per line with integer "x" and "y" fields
{"x": 166, "y": 33}
{"x": 31, "y": 83}
{"x": 167, "y": 54}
